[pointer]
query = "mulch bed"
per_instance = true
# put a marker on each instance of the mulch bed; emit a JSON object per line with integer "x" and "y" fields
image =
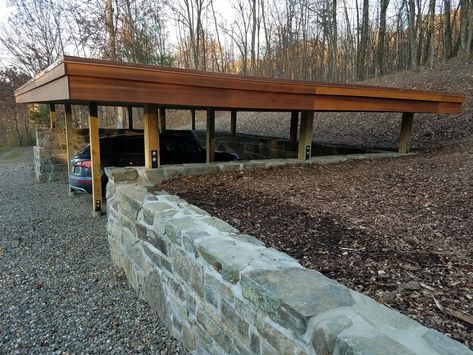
{"x": 398, "y": 230}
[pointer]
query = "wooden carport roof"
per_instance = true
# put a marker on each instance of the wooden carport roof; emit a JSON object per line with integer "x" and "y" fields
{"x": 78, "y": 80}
{"x": 97, "y": 82}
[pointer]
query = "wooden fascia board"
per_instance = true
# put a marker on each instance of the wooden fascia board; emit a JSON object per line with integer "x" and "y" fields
{"x": 43, "y": 78}
{"x": 107, "y": 90}
{"x": 53, "y": 91}
{"x": 207, "y": 80}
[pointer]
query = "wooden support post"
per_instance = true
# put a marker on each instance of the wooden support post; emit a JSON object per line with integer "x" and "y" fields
{"x": 69, "y": 140}
{"x": 192, "y": 120}
{"x": 130, "y": 117}
{"x": 305, "y": 135}
{"x": 233, "y": 122}
{"x": 406, "y": 132}
{"x": 94, "y": 138}
{"x": 210, "y": 142}
{"x": 294, "y": 124}
{"x": 52, "y": 115}
{"x": 162, "y": 118}
{"x": 151, "y": 131}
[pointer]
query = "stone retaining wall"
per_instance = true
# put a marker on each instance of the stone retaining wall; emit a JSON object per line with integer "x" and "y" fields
{"x": 220, "y": 291}
{"x": 250, "y": 147}
{"x": 50, "y": 152}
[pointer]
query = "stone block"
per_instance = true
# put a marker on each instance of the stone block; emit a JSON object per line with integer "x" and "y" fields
{"x": 121, "y": 174}
{"x": 239, "y": 348}
{"x": 229, "y": 257}
{"x": 130, "y": 199}
{"x": 292, "y": 296}
{"x": 207, "y": 323}
{"x": 234, "y": 321}
{"x": 254, "y": 164}
{"x": 327, "y": 159}
{"x": 211, "y": 297}
{"x": 272, "y": 259}
{"x": 223, "y": 341}
{"x": 190, "y": 272}
{"x": 230, "y": 166}
{"x": 189, "y": 238}
{"x": 246, "y": 238}
{"x": 196, "y": 210}
{"x": 354, "y": 344}
{"x": 326, "y": 332}
{"x": 155, "y": 296}
{"x": 127, "y": 223}
{"x": 188, "y": 338}
{"x": 175, "y": 227}
{"x": 154, "y": 176}
{"x": 173, "y": 171}
{"x": 255, "y": 343}
{"x": 219, "y": 224}
{"x": 161, "y": 261}
{"x": 200, "y": 169}
{"x": 271, "y": 163}
{"x": 444, "y": 345}
{"x": 221, "y": 286}
{"x": 281, "y": 343}
{"x": 128, "y": 238}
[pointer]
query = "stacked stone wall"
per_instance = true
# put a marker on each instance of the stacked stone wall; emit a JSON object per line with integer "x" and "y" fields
{"x": 50, "y": 152}
{"x": 250, "y": 147}
{"x": 223, "y": 292}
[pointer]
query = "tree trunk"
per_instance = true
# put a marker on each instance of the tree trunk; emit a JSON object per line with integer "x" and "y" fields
{"x": 381, "y": 34}
{"x": 363, "y": 41}
{"x": 112, "y": 42}
{"x": 429, "y": 35}
{"x": 412, "y": 34}
{"x": 464, "y": 25}
{"x": 447, "y": 35}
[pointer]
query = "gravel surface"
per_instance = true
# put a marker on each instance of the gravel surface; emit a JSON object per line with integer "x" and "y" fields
{"x": 59, "y": 291}
{"x": 398, "y": 230}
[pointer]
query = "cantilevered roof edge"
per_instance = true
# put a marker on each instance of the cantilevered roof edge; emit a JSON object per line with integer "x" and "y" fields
{"x": 50, "y": 85}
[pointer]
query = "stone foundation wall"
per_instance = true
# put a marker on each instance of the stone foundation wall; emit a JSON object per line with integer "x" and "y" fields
{"x": 50, "y": 152}
{"x": 50, "y": 155}
{"x": 220, "y": 291}
{"x": 252, "y": 147}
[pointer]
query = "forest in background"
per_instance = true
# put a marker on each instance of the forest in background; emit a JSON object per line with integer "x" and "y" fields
{"x": 318, "y": 40}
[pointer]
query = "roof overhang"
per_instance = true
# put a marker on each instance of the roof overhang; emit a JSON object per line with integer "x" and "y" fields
{"x": 79, "y": 81}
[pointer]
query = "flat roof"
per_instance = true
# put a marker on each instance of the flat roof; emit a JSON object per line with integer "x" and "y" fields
{"x": 79, "y": 81}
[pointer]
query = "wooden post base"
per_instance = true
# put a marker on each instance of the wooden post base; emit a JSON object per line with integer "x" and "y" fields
{"x": 210, "y": 141}
{"x": 406, "y": 132}
{"x": 305, "y": 135}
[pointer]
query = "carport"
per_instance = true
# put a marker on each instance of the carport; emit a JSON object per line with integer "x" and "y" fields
{"x": 80, "y": 81}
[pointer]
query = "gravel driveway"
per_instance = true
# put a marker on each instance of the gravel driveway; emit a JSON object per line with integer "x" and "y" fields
{"x": 59, "y": 291}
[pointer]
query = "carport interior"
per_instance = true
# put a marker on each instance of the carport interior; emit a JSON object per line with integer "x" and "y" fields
{"x": 79, "y": 81}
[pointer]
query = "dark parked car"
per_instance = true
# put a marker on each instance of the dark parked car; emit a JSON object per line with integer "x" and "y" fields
{"x": 176, "y": 147}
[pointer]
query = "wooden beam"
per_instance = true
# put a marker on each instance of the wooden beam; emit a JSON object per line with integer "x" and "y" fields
{"x": 94, "y": 138}
{"x": 192, "y": 120}
{"x": 233, "y": 122}
{"x": 294, "y": 124}
{"x": 305, "y": 135}
{"x": 151, "y": 132}
{"x": 130, "y": 117}
{"x": 69, "y": 138}
{"x": 162, "y": 118}
{"x": 210, "y": 141}
{"x": 52, "y": 116}
{"x": 406, "y": 132}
